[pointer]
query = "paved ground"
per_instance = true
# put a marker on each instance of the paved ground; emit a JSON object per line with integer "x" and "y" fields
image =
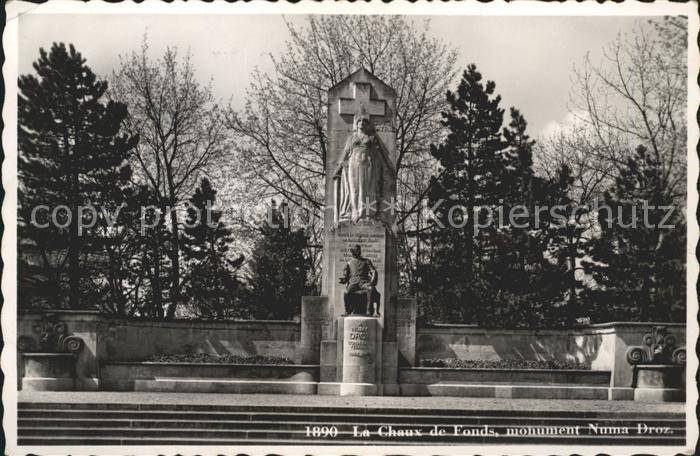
{"x": 287, "y": 400}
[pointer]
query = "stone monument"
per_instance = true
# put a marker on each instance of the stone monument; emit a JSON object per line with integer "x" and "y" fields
{"x": 358, "y": 353}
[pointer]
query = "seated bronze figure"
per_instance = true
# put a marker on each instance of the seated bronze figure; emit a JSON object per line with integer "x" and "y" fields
{"x": 360, "y": 277}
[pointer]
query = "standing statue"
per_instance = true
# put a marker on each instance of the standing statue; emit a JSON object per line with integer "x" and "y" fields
{"x": 360, "y": 173}
{"x": 360, "y": 277}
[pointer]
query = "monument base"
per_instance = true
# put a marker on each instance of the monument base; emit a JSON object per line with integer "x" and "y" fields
{"x": 360, "y": 389}
{"x": 352, "y": 389}
{"x": 359, "y": 362}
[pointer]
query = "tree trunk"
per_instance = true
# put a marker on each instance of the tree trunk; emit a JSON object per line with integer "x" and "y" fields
{"x": 155, "y": 280}
{"x": 469, "y": 235}
{"x": 72, "y": 184}
{"x": 573, "y": 301}
{"x": 114, "y": 289}
{"x": 645, "y": 299}
{"x": 74, "y": 244}
{"x": 174, "y": 253}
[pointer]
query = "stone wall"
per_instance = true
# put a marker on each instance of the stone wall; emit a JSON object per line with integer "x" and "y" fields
{"x": 136, "y": 340}
{"x": 113, "y": 339}
{"x": 469, "y": 342}
{"x": 108, "y": 339}
{"x": 601, "y": 346}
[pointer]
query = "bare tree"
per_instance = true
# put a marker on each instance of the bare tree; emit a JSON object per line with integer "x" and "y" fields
{"x": 282, "y": 129}
{"x": 637, "y": 96}
{"x": 578, "y": 150}
{"x": 181, "y": 134}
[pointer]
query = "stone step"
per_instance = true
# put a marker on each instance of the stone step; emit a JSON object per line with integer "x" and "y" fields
{"x": 310, "y": 411}
{"x": 512, "y": 391}
{"x": 135, "y": 422}
{"x": 220, "y": 385}
{"x": 300, "y": 431}
{"x": 211, "y": 424}
{"x": 519, "y": 390}
{"x": 307, "y": 417}
{"x": 270, "y": 439}
{"x": 571, "y": 377}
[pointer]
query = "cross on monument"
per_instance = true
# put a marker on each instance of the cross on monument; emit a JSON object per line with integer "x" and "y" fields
{"x": 361, "y": 102}
{"x": 357, "y": 354}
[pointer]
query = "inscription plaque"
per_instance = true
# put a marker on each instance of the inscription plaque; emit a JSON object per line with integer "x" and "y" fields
{"x": 359, "y": 350}
{"x": 372, "y": 240}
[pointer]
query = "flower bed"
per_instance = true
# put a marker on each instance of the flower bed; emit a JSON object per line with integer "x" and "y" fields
{"x": 206, "y": 358}
{"x": 454, "y": 363}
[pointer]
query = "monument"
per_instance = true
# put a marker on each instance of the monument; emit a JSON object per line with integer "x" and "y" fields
{"x": 351, "y": 330}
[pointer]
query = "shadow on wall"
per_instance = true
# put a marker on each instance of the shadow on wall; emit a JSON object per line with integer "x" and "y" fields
{"x": 469, "y": 343}
{"x": 128, "y": 340}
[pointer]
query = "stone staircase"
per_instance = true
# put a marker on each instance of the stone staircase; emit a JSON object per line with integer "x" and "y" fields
{"x": 54, "y": 423}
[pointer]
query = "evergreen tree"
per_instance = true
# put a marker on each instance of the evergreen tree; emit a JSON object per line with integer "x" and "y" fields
{"x": 70, "y": 153}
{"x": 135, "y": 277}
{"x": 155, "y": 259}
{"x": 517, "y": 162}
{"x": 279, "y": 268}
{"x": 489, "y": 244}
{"x": 638, "y": 261}
{"x": 518, "y": 284}
{"x": 566, "y": 238}
{"x": 470, "y": 158}
{"x": 212, "y": 285}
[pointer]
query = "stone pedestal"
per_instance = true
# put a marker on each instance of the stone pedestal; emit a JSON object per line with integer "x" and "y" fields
{"x": 49, "y": 372}
{"x": 659, "y": 383}
{"x": 361, "y": 356}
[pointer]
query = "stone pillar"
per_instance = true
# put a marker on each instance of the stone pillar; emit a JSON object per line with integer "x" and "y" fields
{"x": 361, "y": 356}
{"x": 406, "y": 332}
{"x": 359, "y": 91}
{"x": 82, "y": 324}
{"x": 315, "y": 327}
{"x": 346, "y": 370}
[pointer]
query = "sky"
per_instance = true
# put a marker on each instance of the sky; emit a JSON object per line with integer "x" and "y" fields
{"x": 529, "y": 58}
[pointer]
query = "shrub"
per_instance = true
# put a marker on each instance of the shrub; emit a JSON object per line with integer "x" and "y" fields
{"x": 219, "y": 359}
{"x": 500, "y": 364}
